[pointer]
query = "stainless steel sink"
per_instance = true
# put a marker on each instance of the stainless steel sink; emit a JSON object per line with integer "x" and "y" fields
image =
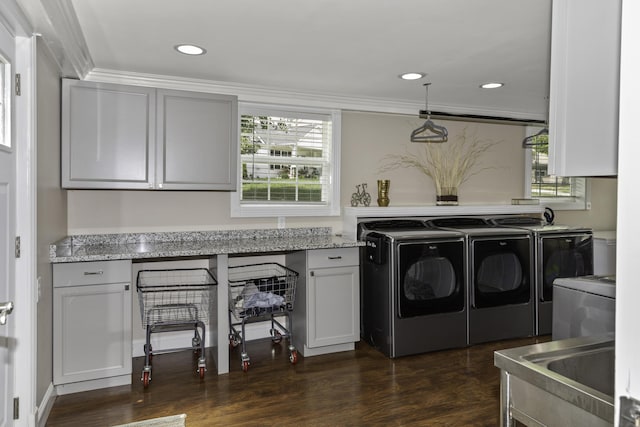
{"x": 591, "y": 368}
{"x": 566, "y": 382}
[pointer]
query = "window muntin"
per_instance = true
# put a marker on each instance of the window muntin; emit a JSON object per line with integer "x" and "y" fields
{"x": 559, "y": 192}
{"x": 289, "y": 162}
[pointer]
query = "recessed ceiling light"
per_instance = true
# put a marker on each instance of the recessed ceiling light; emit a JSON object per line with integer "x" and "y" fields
{"x": 491, "y": 85}
{"x": 190, "y": 49}
{"x": 412, "y": 76}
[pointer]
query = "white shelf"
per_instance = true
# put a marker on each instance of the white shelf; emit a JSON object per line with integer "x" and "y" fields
{"x": 350, "y": 215}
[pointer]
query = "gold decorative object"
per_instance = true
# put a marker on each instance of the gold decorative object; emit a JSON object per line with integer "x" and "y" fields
{"x": 383, "y": 192}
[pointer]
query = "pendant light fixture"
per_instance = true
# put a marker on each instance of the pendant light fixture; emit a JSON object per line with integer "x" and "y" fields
{"x": 429, "y": 131}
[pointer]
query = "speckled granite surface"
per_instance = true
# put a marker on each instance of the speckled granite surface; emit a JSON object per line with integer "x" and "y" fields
{"x": 103, "y": 247}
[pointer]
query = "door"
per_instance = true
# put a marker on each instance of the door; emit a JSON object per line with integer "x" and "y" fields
{"x": 7, "y": 226}
{"x": 337, "y": 288}
{"x": 501, "y": 271}
{"x": 430, "y": 277}
{"x": 564, "y": 256}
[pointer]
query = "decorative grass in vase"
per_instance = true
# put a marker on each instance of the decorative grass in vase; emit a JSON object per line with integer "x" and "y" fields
{"x": 448, "y": 164}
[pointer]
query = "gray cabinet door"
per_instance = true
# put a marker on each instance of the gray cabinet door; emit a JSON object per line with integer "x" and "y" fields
{"x": 333, "y": 306}
{"x": 197, "y": 141}
{"x": 91, "y": 324}
{"x": 108, "y": 135}
{"x": 91, "y": 332}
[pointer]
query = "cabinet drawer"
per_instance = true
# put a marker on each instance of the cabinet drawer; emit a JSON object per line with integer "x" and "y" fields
{"x": 91, "y": 273}
{"x": 322, "y": 258}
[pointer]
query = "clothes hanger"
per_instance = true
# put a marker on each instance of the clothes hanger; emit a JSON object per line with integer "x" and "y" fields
{"x": 534, "y": 140}
{"x": 435, "y": 133}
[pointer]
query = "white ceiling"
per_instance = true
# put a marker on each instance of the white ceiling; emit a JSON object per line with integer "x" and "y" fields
{"x": 345, "y": 48}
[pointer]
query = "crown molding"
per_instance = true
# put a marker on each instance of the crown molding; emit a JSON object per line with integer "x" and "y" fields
{"x": 14, "y": 19}
{"x": 266, "y": 95}
{"x": 57, "y": 24}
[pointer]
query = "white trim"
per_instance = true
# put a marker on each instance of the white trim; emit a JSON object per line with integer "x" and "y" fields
{"x": 332, "y": 208}
{"x": 272, "y": 95}
{"x": 58, "y": 24}
{"x": 45, "y": 407}
{"x": 26, "y": 291}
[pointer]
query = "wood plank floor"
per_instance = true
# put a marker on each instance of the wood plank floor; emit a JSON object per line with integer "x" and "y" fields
{"x": 447, "y": 388}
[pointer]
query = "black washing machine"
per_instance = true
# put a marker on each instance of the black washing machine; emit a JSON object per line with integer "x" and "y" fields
{"x": 412, "y": 287}
{"x": 560, "y": 251}
{"x": 500, "y": 278}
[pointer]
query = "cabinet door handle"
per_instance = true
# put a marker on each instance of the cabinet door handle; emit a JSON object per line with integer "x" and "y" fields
{"x": 126, "y": 287}
{"x": 311, "y": 273}
{"x": 335, "y": 257}
{"x": 94, "y": 273}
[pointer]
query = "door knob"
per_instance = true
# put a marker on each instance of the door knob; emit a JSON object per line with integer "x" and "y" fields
{"x": 5, "y": 309}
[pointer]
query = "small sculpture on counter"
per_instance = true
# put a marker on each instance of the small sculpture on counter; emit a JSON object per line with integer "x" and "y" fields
{"x": 361, "y": 197}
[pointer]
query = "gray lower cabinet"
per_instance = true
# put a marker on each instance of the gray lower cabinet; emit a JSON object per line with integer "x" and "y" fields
{"x": 326, "y": 315}
{"x": 129, "y": 137}
{"x": 91, "y": 325}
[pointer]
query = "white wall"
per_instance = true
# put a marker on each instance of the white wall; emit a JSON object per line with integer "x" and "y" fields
{"x": 51, "y": 205}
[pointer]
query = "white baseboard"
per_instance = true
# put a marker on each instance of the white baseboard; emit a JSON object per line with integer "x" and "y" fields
{"x": 81, "y": 386}
{"x": 46, "y": 405}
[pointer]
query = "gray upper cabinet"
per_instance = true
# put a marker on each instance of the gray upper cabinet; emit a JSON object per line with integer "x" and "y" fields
{"x": 108, "y": 135}
{"x": 129, "y": 137}
{"x": 584, "y": 87}
{"x": 196, "y": 135}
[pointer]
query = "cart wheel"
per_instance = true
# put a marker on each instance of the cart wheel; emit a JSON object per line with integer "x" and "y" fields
{"x": 245, "y": 365}
{"x": 276, "y": 336}
{"x": 293, "y": 357}
{"x": 202, "y": 369}
{"x": 233, "y": 343}
{"x": 145, "y": 379}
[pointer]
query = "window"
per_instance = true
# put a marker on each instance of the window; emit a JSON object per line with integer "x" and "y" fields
{"x": 5, "y": 102}
{"x": 564, "y": 193}
{"x": 289, "y": 162}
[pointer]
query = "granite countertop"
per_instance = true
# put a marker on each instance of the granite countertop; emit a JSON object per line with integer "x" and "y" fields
{"x": 104, "y": 247}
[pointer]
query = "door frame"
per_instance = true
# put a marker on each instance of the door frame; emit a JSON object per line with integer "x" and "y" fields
{"x": 25, "y": 313}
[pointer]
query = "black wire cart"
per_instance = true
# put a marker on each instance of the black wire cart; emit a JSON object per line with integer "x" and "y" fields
{"x": 261, "y": 292}
{"x": 175, "y": 300}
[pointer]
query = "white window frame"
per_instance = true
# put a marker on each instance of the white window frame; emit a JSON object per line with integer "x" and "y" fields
{"x": 332, "y": 206}
{"x": 580, "y": 203}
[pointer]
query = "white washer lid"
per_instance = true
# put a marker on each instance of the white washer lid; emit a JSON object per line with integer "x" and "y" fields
{"x": 597, "y": 285}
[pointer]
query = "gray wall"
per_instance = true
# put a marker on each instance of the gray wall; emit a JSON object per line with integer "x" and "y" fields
{"x": 51, "y": 204}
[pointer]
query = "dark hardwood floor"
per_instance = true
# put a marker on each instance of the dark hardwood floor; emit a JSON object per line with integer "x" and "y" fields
{"x": 446, "y": 388}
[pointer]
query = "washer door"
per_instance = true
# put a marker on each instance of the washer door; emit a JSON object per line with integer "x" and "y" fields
{"x": 501, "y": 272}
{"x": 564, "y": 256}
{"x": 430, "y": 278}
